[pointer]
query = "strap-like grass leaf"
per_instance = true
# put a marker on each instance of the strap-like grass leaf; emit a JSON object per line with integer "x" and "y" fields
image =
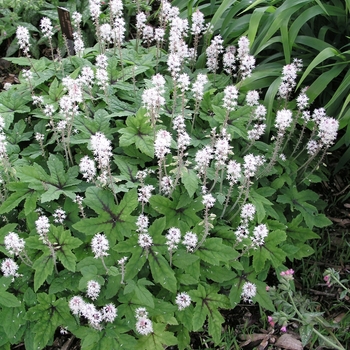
{"x": 322, "y": 56}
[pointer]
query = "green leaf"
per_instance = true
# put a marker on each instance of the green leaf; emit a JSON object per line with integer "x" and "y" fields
{"x": 43, "y": 267}
{"x": 215, "y": 321}
{"x": 262, "y": 296}
{"x": 15, "y": 198}
{"x": 8, "y": 300}
{"x": 115, "y": 220}
{"x": 322, "y": 56}
{"x": 259, "y": 259}
{"x": 199, "y": 316}
{"x": 218, "y": 274}
{"x": 161, "y": 271}
{"x": 213, "y": 251}
{"x": 183, "y": 337}
{"x": 138, "y": 132}
{"x": 48, "y": 314}
{"x": 296, "y": 232}
{"x": 182, "y": 259}
{"x": 190, "y": 180}
{"x": 208, "y": 302}
{"x": 144, "y": 295}
{"x": 56, "y": 90}
{"x": 156, "y": 340}
{"x": 14, "y": 317}
{"x": 305, "y": 332}
{"x": 65, "y": 280}
{"x": 64, "y": 243}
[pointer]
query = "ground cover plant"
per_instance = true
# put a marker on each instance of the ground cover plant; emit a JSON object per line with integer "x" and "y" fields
{"x": 139, "y": 197}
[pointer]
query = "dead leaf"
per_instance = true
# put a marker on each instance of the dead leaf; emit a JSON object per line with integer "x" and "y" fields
{"x": 252, "y": 338}
{"x": 339, "y": 318}
{"x": 287, "y": 341}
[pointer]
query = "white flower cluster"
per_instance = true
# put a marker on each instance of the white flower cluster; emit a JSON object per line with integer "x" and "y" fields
{"x": 106, "y": 32}
{"x": 3, "y": 142}
{"x": 183, "y": 138}
{"x": 183, "y": 300}
{"x": 101, "y": 71}
{"x": 327, "y": 130}
{"x": 284, "y": 119}
{"x": 42, "y": 227}
{"x": 46, "y": 27}
{"x": 144, "y": 239}
{"x": 229, "y": 60}
{"x": 198, "y": 86}
{"x": 87, "y": 168}
{"x": 302, "y": 100}
{"x": 145, "y": 193}
{"x": 95, "y": 10}
{"x": 166, "y": 185}
{"x": 77, "y": 35}
{"x": 59, "y": 215}
{"x": 230, "y": 98}
{"x": 247, "y": 61}
{"x": 141, "y": 20}
{"x": 259, "y": 234}
{"x": 76, "y": 18}
{"x": 95, "y": 317}
{"x": 258, "y": 116}
{"x": 153, "y": 99}
{"x": 118, "y": 31}
{"x": 162, "y": 144}
{"x": 183, "y": 82}
{"x": 234, "y": 172}
{"x": 116, "y": 7}
{"x": 251, "y": 164}
{"x": 248, "y": 292}
{"x": 9, "y": 268}
{"x": 247, "y": 215}
{"x": 222, "y": 149}
{"x": 100, "y": 245}
{"x": 208, "y": 200}
{"x": 79, "y": 45}
{"x": 173, "y": 238}
{"x": 190, "y": 241}
{"x": 102, "y": 150}
{"x": 87, "y": 76}
{"x": 202, "y": 159}
{"x": 93, "y": 289}
{"x": 142, "y": 223}
{"x": 13, "y": 243}
{"x": 252, "y": 98}
{"x": 198, "y": 23}
{"x": 22, "y": 34}
{"x": 213, "y": 52}
{"x": 289, "y": 75}
{"x": 143, "y": 323}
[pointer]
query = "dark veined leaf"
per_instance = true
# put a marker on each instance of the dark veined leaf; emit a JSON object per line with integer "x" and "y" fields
{"x": 208, "y": 302}
{"x": 114, "y": 220}
{"x": 47, "y": 315}
{"x": 64, "y": 243}
{"x": 138, "y": 132}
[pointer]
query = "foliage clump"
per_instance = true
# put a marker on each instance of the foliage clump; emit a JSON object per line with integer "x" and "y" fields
{"x": 141, "y": 192}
